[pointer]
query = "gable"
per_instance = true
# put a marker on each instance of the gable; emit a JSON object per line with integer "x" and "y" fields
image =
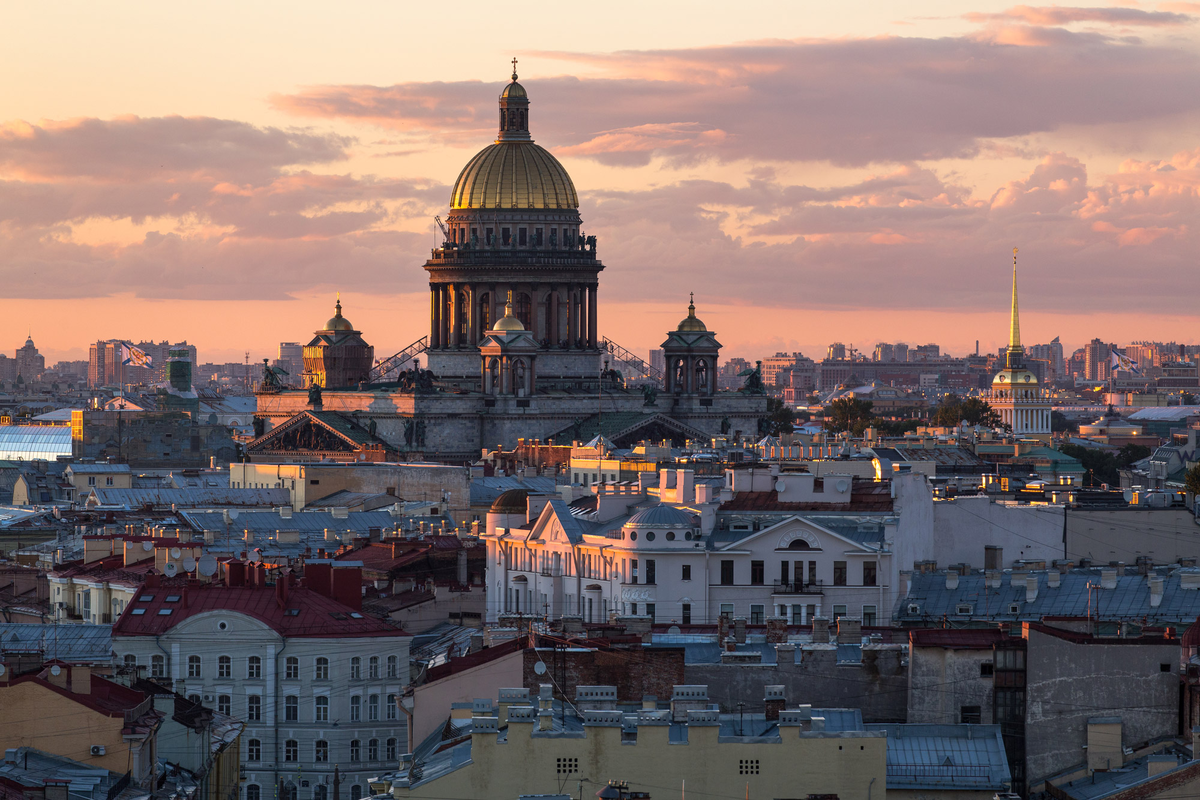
{"x": 787, "y": 535}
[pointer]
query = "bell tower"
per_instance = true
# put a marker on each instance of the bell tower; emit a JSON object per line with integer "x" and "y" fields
{"x": 691, "y": 352}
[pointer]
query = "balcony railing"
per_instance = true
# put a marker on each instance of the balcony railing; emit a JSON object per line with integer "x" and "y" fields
{"x": 800, "y": 587}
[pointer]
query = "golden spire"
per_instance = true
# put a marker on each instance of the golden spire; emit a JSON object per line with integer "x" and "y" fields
{"x": 514, "y": 70}
{"x": 338, "y": 305}
{"x": 1014, "y": 326}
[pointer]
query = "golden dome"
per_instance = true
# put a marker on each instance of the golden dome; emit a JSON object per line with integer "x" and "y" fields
{"x": 514, "y": 91}
{"x": 508, "y": 322}
{"x": 691, "y": 322}
{"x": 337, "y": 322}
{"x": 516, "y": 174}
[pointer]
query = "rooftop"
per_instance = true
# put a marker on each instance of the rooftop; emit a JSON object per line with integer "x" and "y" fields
{"x": 961, "y": 757}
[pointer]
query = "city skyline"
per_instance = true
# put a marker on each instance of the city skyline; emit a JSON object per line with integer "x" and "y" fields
{"x": 802, "y": 201}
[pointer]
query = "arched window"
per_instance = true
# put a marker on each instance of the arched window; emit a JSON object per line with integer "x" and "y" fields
{"x": 292, "y": 669}
{"x": 322, "y": 669}
{"x": 356, "y": 669}
{"x": 291, "y": 708}
{"x": 252, "y": 792}
{"x": 392, "y": 667}
{"x": 193, "y": 666}
{"x": 464, "y": 316}
{"x": 224, "y": 704}
{"x": 254, "y": 708}
{"x": 485, "y": 312}
{"x": 373, "y": 750}
{"x": 194, "y": 698}
{"x": 355, "y": 750}
{"x": 291, "y": 750}
{"x": 321, "y": 751}
{"x": 373, "y": 708}
{"x": 523, "y": 309}
{"x": 158, "y": 667}
{"x": 391, "y": 749}
{"x": 799, "y": 544}
{"x": 373, "y": 667}
{"x": 130, "y": 660}
{"x": 355, "y": 708}
{"x": 289, "y": 791}
{"x": 254, "y": 750}
{"x": 391, "y": 706}
{"x": 321, "y": 709}
{"x": 224, "y": 667}
{"x": 254, "y": 667}
{"x": 355, "y": 792}
{"x": 320, "y": 792}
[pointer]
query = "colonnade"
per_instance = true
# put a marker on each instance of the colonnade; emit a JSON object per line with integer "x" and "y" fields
{"x": 557, "y": 314}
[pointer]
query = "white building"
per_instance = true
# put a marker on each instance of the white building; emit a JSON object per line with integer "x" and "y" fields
{"x": 315, "y": 681}
{"x": 766, "y": 544}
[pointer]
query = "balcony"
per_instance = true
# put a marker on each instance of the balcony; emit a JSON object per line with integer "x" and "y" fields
{"x": 801, "y": 587}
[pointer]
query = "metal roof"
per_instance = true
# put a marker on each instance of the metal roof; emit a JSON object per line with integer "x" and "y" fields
{"x": 81, "y": 643}
{"x": 945, "y": 756}
{"x": 111, "y": 469}
{"x": 193, "y": 498}
{"x": 29, "y": 442}
{"x": 484, "y": 491}
{"x": 1103, "y": 783}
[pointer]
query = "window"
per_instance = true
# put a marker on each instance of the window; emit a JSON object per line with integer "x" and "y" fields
{"x": 373, "y": 750}
{"x": 355, "y": 708}
{"x": 726, "y": 609}
{"x": 970, "y": 715}
{"x": 870, "y": 616}
{"x": 838, "y": 612}
{"x": 687, "y": 613}
{"x": 839, "y": 573}
{"x": 756, "y": 615}
{"x": 373, "y": 668}
{"x": 322, "y": 669}
{"x": 651, "y": 571}
{"x": 567, "y": 766}
{"x": 812, "y": 572}
{"x": 130, "y": 661}
{"x": 747, "y": 766}
{"x": 756, "y": 573}
{"x": 291, "y": 750}
{"x": 291, "y": 708}
{"x": 393, "y": 664}
{"x": 252, "y": 792}
{"x": 868, "y": 573}
{"x": 1164, "y": 667}
{"x": 194, "y": 698}
{"x": 224, "y": 667}
{"x": 391, "y": 706}
{"x": 254, "y": 708}
{"x": 373, "y": 708}
{"x": 687, "y": 572}
{"x": 254, "y": 750}
{"x": 650, "y": 611}
{"x": 355, "y": 792}
{"x": 727, "y": 572}
{"x": 355, "y": 753}
{"x": 356, "y": 669}
{"x": 193, "y": 666}
{"x": 224, "y": 704}
{"x": 158, "y": 666}
{"x": 254, "y": 667}
{"x": 391, "y": 750}
{"x": 288, "y": 792}
{"x": 91, "y": 480}
{"x": 964, "y": 609}
{"x": 797, "y": 614}
{"x": 633, "y": 570}
{"x": 986, "y": 669}
{"x": 109, "y": 481}
{"x": 321, "y": 751}
{"x": 292, "y": 669}
{"x": 321, "y": 709}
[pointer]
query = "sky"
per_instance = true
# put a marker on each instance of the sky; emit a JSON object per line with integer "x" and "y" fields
{"x": 814, "y": 172}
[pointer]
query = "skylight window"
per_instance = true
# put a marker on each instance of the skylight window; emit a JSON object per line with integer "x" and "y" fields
{"x": 292, "y": 612}
{"x": 165, "y": 612}
{"x": 355, "y": 615}
{"x": 146, "y": 598}
{"x": 137, "y": 612}
{"x": 172, "y": 598}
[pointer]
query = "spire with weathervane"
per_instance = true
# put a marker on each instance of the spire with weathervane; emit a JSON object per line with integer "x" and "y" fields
{"x": 1015, "y": 352}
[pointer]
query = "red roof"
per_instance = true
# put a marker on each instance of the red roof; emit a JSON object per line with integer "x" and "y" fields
{"x": 961, "y": 639}
{"x": 106, "y": 697}
{"x": 306, "y": 613}
{"x": 864, "y": 496}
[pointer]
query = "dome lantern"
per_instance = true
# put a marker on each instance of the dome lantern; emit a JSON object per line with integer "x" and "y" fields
{"x": 514, "y": 111}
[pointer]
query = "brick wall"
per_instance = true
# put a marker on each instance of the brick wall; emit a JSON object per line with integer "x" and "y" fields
{"x": 635, "y": 673}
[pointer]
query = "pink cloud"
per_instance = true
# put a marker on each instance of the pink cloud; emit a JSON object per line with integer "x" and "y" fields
{"x": 1067, "y": 15}
{"x": 851, "y": 102}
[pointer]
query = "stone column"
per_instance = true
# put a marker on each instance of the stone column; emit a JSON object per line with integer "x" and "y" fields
{"x": 551, "y": 316}
{"x": 472, "y": 315}
{"x": 593, "y": 339}
{"x": 573, "y": 318}
{"x": 452, "y": 292}
{"x": 444, "y": 315}
{"x": 435, "y": 318}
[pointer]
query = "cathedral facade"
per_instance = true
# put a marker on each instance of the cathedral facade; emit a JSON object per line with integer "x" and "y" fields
{"x": 513, "y": 349}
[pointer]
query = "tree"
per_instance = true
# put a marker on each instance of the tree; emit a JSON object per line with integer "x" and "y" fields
{"x": 1187, "y": 398}
{"x": 848, "y": 414}
{"x": 954, "y": 410}
{"x": 780, "y": 417}
{"x": 1100, "y": 465}
{"x": 1191, "y": 480}
{"x": 1060, "y": 424}
{"x": 1130, "y": 453}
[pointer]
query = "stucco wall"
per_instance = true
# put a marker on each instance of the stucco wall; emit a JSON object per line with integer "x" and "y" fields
{"x": 942, "y": 680}
{"x": 1164, "y": 534}
{"x": 431, "y": 701}
{"x": 964, "y": 525}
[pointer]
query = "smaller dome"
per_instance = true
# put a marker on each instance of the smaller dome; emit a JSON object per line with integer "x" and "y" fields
{"x": 510, "y": 502}
{"x": 691, "y": 322}
{"x": 508, "y": 322}
{"x": 337, "y": 322}
{"x": 514, "y": 91}
{"x": 660, "y": 517}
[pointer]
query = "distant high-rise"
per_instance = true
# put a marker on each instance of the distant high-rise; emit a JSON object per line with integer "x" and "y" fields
{"x": 900, "y": 349}
{"x": 1052, "y": 354}
{"x": 658, "y": 360}
{"x": 884, "y": 352}
{"x": 30, "y": 363}
{"x": 1097, "y": 356}
{"x": 836, "y": 352}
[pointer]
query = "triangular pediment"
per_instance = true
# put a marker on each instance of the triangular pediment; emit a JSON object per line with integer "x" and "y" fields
{"x": 782, "y": 535}
{"x": 308, "y": 432}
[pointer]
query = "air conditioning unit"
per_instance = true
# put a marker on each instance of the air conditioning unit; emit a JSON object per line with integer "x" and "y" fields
{"x": 208, "y": 698}
{"x": 97, "y": 749}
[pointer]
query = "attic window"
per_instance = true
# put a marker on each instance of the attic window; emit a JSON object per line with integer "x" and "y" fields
{"x": 355, "y": 615}
{"x": 146, "y": 598}
{"x": 1014, "y": 608}
{"x": 137, "y": 612}
{"x": 963, "y": 608}
{"x": 172, "y": 598}
{"x": 292, "y": 612}
{"x": 337, "y": 615}
{"x": 165, "y": 612}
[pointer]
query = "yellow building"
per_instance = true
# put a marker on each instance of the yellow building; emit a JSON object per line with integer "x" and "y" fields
{"x": 68, "y": 711}
{"x": 526, "y": 749}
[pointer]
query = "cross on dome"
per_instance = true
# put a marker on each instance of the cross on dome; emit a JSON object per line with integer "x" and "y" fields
{"x": 514, "y": 69}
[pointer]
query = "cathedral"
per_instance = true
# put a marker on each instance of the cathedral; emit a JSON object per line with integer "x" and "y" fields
{"x": 514, "y": 347}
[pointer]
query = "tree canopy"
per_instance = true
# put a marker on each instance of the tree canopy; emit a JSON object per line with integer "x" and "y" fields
{"x": 954, "y": 410}
{"x": 848, "y": 414}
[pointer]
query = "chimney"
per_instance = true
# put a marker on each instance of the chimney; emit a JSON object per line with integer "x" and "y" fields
{"x": 1159, "y": 763}
{"x": 993, "y": 578}
{"x": 462, "y": 567}
{"x": 1053, "y": 579}
{"x": 81, "y": 680}
{"x": 1031, "y": 588}
{"x": 818, "y": 724}
{"x": 775, "y": 701}
{"x": 849, "y": 631}
{"x": 1156, "y": 590}
{"x": 1108, "y": 578}
{"x": 820, "y": 634}
{"x": 951, "y": 580}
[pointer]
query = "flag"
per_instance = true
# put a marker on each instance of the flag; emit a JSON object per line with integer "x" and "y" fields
{"x": 134, "y": 356}
{"x": 1121, "y": 361}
